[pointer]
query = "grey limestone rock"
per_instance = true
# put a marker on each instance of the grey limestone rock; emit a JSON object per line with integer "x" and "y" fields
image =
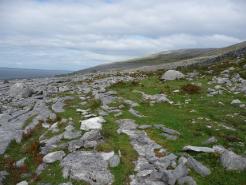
{"x": 54, "y": 156}
{"x": 87, "y": 166}
{"x": 20, "y": 90}
{"x": 232, "y": 161}
{"x": 172, "y": 75}
{"x": 114, "y": 161}
{"x": 198, "y": 167}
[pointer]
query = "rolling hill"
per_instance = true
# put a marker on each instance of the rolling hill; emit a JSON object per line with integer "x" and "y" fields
{"x": 169, "y": 59}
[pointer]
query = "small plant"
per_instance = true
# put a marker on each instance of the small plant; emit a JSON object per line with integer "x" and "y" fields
{"x": 159, "y": 153}
{"x": 38, "y": 159}
{"x": 94, "y": 104}
{"x": 33, "y": 148}
{"x": 232, "y": 138}
{"x": 134, "y": 83}
{"x": 35, "y": 178}
{"x": 167, "y": 89}
{"x": 9, "y": 163}
{"x": 191, "y": 89}
{"x": 23, "y": 168}
{"x": 28, "y": 134}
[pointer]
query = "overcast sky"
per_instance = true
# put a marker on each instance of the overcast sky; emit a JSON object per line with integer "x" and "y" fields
{"x": 75, "y": 34}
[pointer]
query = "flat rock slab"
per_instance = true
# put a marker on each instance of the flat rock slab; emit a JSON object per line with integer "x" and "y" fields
{"x": 12, "y": 125}
{"x": 87, "y": 166}
{"x": 59, "y": 104}
{"x": 145, "y": 147}
{"x": 92, "y": 123}
{"x": 126, "y": 126}
{"x": 135, "y": 113}
{"x": 54, "y": 156}
{"x": 198, "y": 149}
{"x": 198, "y": 167}
{"x": 167, "y": 130}
{"x": 72, "y": 134}
{"x": 157, "y": 98}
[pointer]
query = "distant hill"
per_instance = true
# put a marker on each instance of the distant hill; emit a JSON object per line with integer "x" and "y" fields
{"x": 162, "y": 59}
{"x": 19, "y": 73}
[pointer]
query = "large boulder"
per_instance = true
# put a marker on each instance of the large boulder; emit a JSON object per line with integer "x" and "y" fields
{"x": 59, "y": 104}
{"x": 20, "y": 90}
{"x": 172, "y": 75}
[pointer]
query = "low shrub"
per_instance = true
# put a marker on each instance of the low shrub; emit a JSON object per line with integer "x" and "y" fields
{"x": 191, "y": 89}
{"x": 33, "y": 148}
{"x": 27, "y": 134}
{"x": 23, "y": 168}
{"x": 38, "y": 159}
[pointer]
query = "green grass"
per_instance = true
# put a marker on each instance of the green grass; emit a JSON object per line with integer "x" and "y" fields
{"x": 180, "y": 117}
{"x": 219, "y": 176}
{"x": 28, "y": 121}
{"x": 190, "y": 119}
{"x": 208, "y": 111}
{"x": 17, "y": 151}
{"x": 70, "y": 111}
{"x": 53, "y": 175}
{"x": 115, "y": 142}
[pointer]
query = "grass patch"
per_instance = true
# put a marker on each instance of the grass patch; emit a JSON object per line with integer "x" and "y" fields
{"x": 195, "y": 115}
{"x": 70, "y": 111}
{"x": 116, "y": 142}
{"x": 29, "y": 148}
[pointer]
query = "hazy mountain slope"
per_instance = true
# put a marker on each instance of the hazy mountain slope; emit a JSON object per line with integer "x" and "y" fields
{"x": 167, "y": 57}
{"x": 17, "y": 73}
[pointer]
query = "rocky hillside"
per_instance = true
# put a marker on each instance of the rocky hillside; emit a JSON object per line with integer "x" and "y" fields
{"x": 169, "y": 59}
{"x": 182, "y": 126}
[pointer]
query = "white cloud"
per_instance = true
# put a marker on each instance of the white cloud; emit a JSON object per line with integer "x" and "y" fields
{"x": 76, "y": 34}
